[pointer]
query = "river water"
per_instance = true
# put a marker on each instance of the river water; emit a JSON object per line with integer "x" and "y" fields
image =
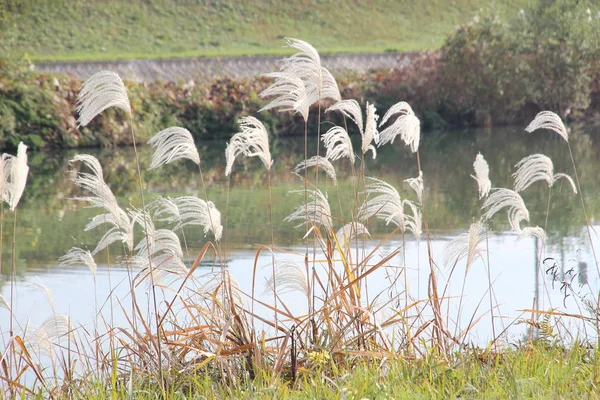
{"x": 50, "y": 223}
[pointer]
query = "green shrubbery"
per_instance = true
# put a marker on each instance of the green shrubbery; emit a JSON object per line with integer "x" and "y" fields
{"x": 545, "y": 58}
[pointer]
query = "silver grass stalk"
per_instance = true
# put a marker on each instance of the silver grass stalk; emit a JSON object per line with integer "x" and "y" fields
{"x": 338, "y": 144}
{"x": 52, "y": 332}
{"x": 533, "y": 231}
{"x": 368, "y": 130}
{"x": 102, "y": 197}
{"x": 319, "y": 162}
{"x": 350, "y": 109}
{"x": 413, "y": 222}
{"x": 173, "y": 144}
{"x": 163, "y": 269}
{"x": 306, "y": 64}
{"x": 407, "y": 125}
{"x": 45, "y": 290}
{"x": 386, "y": 205}
{"x": 161, "y": 241}
{"x": 102, "y": 90}
{"x": 120, "y": 230}
{"x": 17, "y": 177}
{"x": 351, "y": 230}
{"x": 5, "y": 161}
{"x": 252, "y": 141}
{"x": 316, "y": 210}
{"x": 466, "y": 245}
{"x": 482, "y": 172}
{"x": 194, "y": 211}
{"x": 165, "y": 210}
{"x": 371, "y": 134}
{"x": 289, "y": 92}
{"x": 566, "y": 177}
{"x": 417, "y": 185}
{"x": 506, "y": 198}
{"x": 77, "y": 257}
{"x": 551, "y": 121}
{"x": 290, "y": 277}
{"x": 537, "y": 167}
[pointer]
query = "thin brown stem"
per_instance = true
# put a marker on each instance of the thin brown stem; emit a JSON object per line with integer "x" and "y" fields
{"x": 273, "y": 251}
{"x": 151, "y": 269}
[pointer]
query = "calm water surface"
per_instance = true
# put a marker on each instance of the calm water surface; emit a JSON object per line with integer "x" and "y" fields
{"x": 50, "y": 223}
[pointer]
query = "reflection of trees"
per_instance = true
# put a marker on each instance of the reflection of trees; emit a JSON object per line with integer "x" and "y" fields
{"x": 50, "y": 223}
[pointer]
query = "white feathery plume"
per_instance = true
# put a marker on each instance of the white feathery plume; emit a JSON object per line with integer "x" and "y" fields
{"x": 338, "y": 144}
{"x": 306, "y": 64}
{"x": 533, "y": 168}
{"x": 371, "y": 134}
{"x": 252, "y": 141}
{"x": 5, "y": 161}
{"x": 413, "y": 223}
{"x": 407, "y": 125}
{"x": 4, "y": 303}
{"x": 165, "y": 268}
{"x": 16, "y": 181}
{"x": 290, "y": 94}
{"x": 53, "y": 331}
{"x": 234, "y": 148}
{"x": 417, "y": 185}
{"x": 548, "y": 120}
{"x": 319, "y": 213}
{"x": 558, "y": 176}
{"x": 290, "y": 276}
{"x": 350, "y": 109}
{"x": 102, "y": 90}
{"x": 537, "y": 167}
{"x": 195, "y": 211}
{"x": 386, "y": 205}
{"x": 348, "y": 232}
{"x": 77, "y": 257}
{"x": 536, "y": 232}
{"x": 320, "y": 162}
{"x": 506, "y": 198}
{"x": 368, "y": 130}
{"x": 45, "y": 290}
{"x": 121, "y": 230}
{"x": 155, "y": 241}
{"x": 165, "y": 210}
{"x": 103, "y": 197}
{"x": 161, "y": 240}
{"x": 482, "y": 172}
{"x": 173, "y": 144}
{"x": 465, "y": 245}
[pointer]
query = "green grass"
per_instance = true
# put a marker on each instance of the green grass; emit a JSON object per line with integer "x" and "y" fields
{"x": 119, "y": 29}
{"x": 536, "y": 372}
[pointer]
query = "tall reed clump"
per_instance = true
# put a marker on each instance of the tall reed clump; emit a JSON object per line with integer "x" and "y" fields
{"x": 204, "y": 322}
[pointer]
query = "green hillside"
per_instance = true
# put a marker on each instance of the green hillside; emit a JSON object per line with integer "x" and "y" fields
{"x": 113, "y": 29}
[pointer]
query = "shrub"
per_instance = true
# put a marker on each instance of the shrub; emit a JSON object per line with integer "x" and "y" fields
{"x": 545, "y": 58}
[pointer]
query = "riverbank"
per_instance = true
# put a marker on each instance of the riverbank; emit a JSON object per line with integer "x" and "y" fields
{"x": 40, "y": 109}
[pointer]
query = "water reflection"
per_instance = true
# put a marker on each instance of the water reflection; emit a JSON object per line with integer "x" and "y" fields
{"x": 50, "y": 223}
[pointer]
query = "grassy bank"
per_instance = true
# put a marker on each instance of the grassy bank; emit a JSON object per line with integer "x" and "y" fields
{"x": 117, "y": 29}
{"x": 538, "y": 371}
